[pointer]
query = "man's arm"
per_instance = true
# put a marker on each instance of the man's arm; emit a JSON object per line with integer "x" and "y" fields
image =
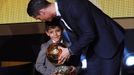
{"x": 81, "y": 21}
{"x": 82, "y": 24}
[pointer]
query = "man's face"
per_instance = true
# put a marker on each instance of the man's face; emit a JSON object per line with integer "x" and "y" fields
{"x": 45, "y": 15}
{"x": 54, "y": 34}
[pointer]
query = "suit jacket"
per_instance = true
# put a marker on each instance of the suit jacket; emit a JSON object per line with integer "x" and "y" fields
{"x": 43, "y": 65}
{"x": 94, "y": 29}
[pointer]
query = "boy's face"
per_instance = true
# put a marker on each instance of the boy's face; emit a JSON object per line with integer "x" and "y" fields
{"x": 54, "y": 34}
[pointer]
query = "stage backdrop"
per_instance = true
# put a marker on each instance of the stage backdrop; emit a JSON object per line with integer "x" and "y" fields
{"x": 14, "y": 11}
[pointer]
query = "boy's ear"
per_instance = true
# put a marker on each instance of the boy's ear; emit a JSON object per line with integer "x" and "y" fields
{"x": 47, "y": 33}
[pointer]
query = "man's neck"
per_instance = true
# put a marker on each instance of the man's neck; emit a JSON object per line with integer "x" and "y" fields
{"x": 53, "y": 9}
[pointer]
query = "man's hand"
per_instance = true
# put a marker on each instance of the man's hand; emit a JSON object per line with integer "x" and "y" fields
{"x": 64, "y": 55}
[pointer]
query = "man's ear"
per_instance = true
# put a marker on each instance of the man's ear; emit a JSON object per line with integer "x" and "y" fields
{"x": 42, "y": 11}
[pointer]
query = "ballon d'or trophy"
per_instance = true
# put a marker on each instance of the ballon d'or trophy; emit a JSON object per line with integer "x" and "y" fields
{"x": 52, "y": 54}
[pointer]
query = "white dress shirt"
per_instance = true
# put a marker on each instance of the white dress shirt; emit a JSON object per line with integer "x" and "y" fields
{"x": 58, "y": 14}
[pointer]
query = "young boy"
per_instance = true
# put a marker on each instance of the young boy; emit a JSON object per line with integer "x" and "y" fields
{"x": 54, "y": 31}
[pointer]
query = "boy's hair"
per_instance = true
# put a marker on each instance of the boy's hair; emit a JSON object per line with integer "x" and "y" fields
{"x": 35, "y": 5}
{"x": 53, "y": 24}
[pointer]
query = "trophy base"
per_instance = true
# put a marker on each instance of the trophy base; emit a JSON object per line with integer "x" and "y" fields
{"x": 63, "y": 70}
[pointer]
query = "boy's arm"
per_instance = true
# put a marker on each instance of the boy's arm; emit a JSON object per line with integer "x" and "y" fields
{"x": 40, "y": 62}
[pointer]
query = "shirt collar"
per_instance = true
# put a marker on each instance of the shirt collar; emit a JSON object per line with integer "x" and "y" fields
{"x": 57, "y": 11}
{"x": 61, "y": 41}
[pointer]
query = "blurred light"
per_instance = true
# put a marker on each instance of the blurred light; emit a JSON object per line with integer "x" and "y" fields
{"x": 83, "y": 61}
{"x": 128, "y": 59}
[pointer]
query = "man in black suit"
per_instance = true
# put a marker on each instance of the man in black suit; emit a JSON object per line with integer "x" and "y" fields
{"x": 95, "y": 32}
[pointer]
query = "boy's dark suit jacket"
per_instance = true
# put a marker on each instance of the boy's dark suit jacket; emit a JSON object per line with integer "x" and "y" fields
{"x": 94, "y": 29}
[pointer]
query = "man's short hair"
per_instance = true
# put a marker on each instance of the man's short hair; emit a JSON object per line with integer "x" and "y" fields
{"x": 35, "y": 5}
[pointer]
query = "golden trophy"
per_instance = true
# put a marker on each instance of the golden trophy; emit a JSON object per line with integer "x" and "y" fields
{"x": 52, "y": 54}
